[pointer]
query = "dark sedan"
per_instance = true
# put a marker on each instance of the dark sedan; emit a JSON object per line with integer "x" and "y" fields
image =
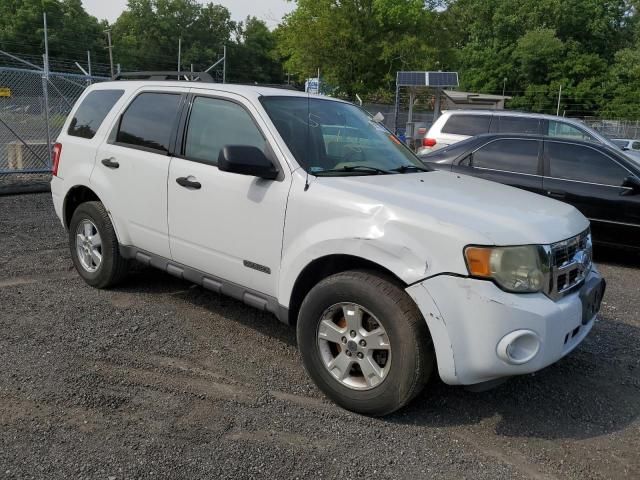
{"x": 601, "y": 182}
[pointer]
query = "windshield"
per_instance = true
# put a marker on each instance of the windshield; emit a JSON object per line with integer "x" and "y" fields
{"x": 335, "y": 138}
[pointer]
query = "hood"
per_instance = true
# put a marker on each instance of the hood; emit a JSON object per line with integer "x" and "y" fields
{"x": 486, "y": 212}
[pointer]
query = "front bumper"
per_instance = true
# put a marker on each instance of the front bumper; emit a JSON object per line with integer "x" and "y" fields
{"x": 476, "y": 327}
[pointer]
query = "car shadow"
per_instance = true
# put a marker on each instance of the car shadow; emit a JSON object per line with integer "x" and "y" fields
{"x": 148, "y": 280}
{"x": 593, "y": 391}
{"x": 616, "y": 257}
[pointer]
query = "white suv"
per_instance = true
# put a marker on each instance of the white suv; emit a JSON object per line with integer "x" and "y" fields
{"x": 456, "y": 125}
{"x": 305, "y": 207}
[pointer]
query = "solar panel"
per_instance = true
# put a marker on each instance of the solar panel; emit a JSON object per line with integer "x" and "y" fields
{"x": 411, "y": 79}
{"x": 427, "y": 79}
{"x": 442, "y": 79}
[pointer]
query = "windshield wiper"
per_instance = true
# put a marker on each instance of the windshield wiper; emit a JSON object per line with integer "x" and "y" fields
{"x": 411, "y": 168}
{"x": 357, "y": 168}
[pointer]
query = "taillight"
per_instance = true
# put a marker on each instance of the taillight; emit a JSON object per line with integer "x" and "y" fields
{"x": 429, "y": 142}
{"x": 57, "y": 150}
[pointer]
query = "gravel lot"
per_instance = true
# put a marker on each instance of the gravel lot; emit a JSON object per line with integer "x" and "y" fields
{"x": 161, "y": 379}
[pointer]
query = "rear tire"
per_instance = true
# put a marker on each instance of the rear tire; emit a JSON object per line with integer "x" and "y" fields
{"x": 94, "y": 246}
{"x": 389, "y": 359}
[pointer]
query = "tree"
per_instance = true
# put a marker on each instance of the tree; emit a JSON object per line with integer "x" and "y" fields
{"x": 146, "y": 34}
{"x": 539, "y": 46}
{"x": 358, "y": 44}
{"x": 71, "y": 30}
{"x": 253, "y": 57}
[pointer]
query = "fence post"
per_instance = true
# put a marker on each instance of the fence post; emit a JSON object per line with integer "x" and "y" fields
{"x": 45, "y": 87}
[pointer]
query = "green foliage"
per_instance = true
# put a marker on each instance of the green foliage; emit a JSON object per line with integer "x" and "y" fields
{"x": 589, "y": 47}
{"x": 70, "y": 28}
{"x": 539, "y": 45}
{"x": 358, "y": 44}
{"x": 253, "y": 57}
{"x": 146, "y": 34}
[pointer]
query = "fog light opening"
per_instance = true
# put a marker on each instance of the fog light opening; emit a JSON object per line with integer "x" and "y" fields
{"x": 519, "y": 347}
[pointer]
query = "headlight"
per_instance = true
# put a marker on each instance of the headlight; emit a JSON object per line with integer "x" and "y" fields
{"x": 522, "y": 269}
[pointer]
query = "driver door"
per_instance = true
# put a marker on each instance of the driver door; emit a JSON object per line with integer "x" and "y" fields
{"x": 226, "y": 224}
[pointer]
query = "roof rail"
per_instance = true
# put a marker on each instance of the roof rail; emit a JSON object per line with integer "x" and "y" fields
{"x": 188, "y": 76}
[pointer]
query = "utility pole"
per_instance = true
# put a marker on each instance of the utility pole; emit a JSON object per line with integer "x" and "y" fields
{"x": 89, "y": 62}
{"x": 45, "y": 85}
{"x": 179, "y": 54}
{"x": 436, "y": 104}
{"x": 224, "y": 64}
{"x": 559, "y": 98}
{"x": 110, "y": 47}
{"x": 504, "y": 87}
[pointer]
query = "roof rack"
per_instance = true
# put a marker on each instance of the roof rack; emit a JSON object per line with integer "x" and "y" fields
{"x": 188, "y": 76}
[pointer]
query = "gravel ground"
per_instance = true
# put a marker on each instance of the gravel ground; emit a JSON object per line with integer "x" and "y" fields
{"x": 158, "y": 378}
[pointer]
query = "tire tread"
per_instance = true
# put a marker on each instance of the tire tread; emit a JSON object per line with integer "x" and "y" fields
{"x": 116, "y": 265}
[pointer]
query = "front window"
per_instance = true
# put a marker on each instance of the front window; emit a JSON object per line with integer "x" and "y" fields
{"x": 330, "y": 138}
{"x": 215, "y": 123}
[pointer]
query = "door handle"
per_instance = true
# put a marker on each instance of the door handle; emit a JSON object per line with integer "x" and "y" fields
{"x": 556, "y": 193}
{"x": 186, "y": 183}
{"x": 110, "y": 163}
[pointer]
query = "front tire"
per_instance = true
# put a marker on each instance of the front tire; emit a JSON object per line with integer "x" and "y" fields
{"x": 364, "y": 342}
{"x": 94, "y": 246}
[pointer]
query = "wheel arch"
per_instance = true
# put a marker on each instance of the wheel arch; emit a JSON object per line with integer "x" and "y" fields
{"x": 76, "y": 196}
{"x": 322, "y": 267}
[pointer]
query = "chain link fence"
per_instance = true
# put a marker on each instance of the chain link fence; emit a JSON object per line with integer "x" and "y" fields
{"x": 33, "y": 108}
{"x": 629, "y": 129}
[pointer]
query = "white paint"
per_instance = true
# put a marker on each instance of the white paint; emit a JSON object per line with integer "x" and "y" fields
{"x": 414, "y": 225}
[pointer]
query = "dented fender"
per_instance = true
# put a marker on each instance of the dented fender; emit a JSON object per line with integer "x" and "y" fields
{"x": 438, "y": 330}
{"x": 330, "y": 218}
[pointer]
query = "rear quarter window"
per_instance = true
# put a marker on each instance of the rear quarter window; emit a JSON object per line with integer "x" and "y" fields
{"x": 92, "y": 112}
{"x": 470, "y": 125}
{"x": 511, "y": 124}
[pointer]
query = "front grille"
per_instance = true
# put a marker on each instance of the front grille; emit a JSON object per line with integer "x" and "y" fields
{"x": 571, "y": 262}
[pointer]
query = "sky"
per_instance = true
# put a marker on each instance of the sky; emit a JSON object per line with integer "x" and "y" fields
{"x": 271, "y": 11}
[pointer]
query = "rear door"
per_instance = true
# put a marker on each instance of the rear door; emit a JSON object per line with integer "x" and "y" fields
{"x": 512, "y": 161}
{"x": 591, "y": 180}
{"x": 133, "y": 164}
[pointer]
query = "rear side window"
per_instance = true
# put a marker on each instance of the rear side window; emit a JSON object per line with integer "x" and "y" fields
{"x": 92, "y": 112}
{"x": 509, "y": 124}
{"x": 518, "y": 156}
{"x": 635, "y": 145}
{"x": 470, "y": 125}
{"x": 215, "y": 123}
{"x": 564, "y": 130}
{"x": 149, "y": 121}
{"x": 577, "y": 162}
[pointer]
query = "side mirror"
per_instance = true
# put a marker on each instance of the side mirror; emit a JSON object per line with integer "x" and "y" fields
{"x": 378, "y": 117}
{"x": 246, "y": 160}
{"x": 633, "y": 183}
